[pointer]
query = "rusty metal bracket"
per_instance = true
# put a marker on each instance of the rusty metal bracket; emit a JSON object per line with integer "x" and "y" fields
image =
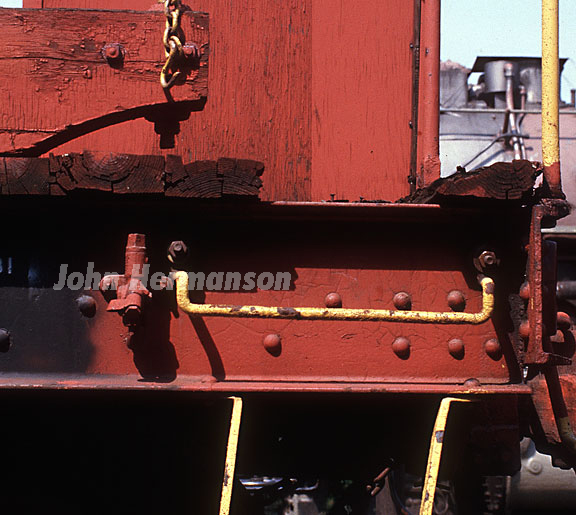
{"x": 312, "y": 313}
{"x": 541, "y": 323}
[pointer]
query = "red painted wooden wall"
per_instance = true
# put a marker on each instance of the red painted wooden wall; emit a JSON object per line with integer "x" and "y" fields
{"x": 318, "y": 90}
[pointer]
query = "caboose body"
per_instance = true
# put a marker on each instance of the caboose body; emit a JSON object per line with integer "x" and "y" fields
{"x": 269, "y": 224}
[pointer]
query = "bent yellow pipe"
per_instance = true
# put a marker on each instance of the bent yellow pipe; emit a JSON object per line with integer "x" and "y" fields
{"x": 360, "y": 315}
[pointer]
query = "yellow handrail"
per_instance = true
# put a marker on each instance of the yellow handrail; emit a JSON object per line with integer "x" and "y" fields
{"x": 231, "y": 452}
{"x": 435, "y": 455}
{"x": 550, "y": 97}
{"x": 360, "y": 315}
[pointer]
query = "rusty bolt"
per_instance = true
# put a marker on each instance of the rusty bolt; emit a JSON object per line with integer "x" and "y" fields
{"x": 113, "y": 52}
{"x": 402, "y": 301}
{"x": 564, "y": 321}
{"x": 177, "y": 251}
{"x": 525, "y": 291}
{"x": 487, "y": 259}
{"x": 86, "y": 305}
{"x": 87, "y": 74}
{"x": 273, "y": 344}
{"x": 456, "y": 348}
{"x": 333, "y": 300}
{"x": 5, "y": 340}
{"x": 493, "y": 348}
{"x": 524, "y": 330}
{"x": 190, "y": 50}
{"x": 456, "y": 300}
{"x": 401, "y": 347}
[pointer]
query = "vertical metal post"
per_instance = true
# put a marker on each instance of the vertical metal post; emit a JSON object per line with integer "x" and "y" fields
{"x": 231, "y": 453}
{"x": 435, "y": 455}
{"x": 428, "y": 161}
{"x": 550, "y": 97}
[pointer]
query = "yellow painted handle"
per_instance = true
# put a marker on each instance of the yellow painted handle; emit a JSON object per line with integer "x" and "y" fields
{"x": 360, "y": 315}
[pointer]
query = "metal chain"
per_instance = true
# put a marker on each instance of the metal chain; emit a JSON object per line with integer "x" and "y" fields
{"x": 172, "y": 43}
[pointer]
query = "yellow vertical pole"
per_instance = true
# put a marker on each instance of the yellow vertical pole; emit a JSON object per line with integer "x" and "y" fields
{"x": 550, "y": 97}
{"x": 435, "y": 455}
{"x": 231, "y": 453}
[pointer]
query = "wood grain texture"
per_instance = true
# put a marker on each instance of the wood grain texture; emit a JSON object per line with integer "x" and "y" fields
{"x": 501, "y": 181}
{"x": 55, "y": 75}
{"x": 362, "y": 98}
{"x": 317, "y": 90}
{"x": 130, "y": 174}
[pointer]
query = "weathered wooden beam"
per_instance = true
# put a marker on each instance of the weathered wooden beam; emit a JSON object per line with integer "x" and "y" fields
{"x": 129, "y": 174}
{"x": 500, "y": 181}
{"x": 54, "y": 73}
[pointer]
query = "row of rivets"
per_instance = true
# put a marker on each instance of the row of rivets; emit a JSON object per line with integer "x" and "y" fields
{"x": 401, "y": 347}
{"x": 403, "y": 300}
{"x": 563, "y": 320}
{"x": 492, "y": 347}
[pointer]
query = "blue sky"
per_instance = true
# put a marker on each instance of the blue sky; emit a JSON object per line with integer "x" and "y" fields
{"x": 494, "y": 27}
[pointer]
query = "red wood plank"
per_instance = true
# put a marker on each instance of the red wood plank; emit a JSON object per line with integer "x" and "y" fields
{"x": 362, "y": 98}
{"x": 54, "y": 74}
{"x": 318, "y": 91}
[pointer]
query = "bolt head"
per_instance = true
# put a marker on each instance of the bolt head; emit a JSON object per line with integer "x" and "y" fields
{"x": 456, "y": 300}
{"x": 524, "y": 330}
{"x": 272, "y": 343}
{"x": 333, "y": 300}
{"x": 113, "y": 53}
{"x": 472, "y": 383}
{"x": 402, "y": 301}
{"x": 401, "y": 347}
{"x": 525, "y": 291}
{"x": 456, "y": 348}
{"x": 486, "y": 260}
{"x": 177, "y": 251}
{"x": 493, "y": 348}
{"x": 86, "y": 305}
{"x": 535, "y": 467}
{"x": 190, "y": 50}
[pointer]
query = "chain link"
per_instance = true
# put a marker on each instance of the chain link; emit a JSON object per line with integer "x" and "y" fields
{"x": 172, "y": 40}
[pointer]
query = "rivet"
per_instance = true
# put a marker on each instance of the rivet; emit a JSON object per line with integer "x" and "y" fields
{"x": 402, "y": 301}
{"x": 190, "y": 50}
{"x": 525, "y": 291}
{"x": 401, "y": 347}
{"x": 524, "y": 330}
{"x": 456, "y": 300}
{"x": 86, "y": 305}
{"x": 333, "y": 300}
{"x": 564, "y": 321}
{"x": 456, "y": 348}
{"x": 5, "y": 340}
{"x": 273, "y": 344}
{"x": 472, "y": 383}
{"x": 535, "y": 466}
{"x": 493, "y": 348}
